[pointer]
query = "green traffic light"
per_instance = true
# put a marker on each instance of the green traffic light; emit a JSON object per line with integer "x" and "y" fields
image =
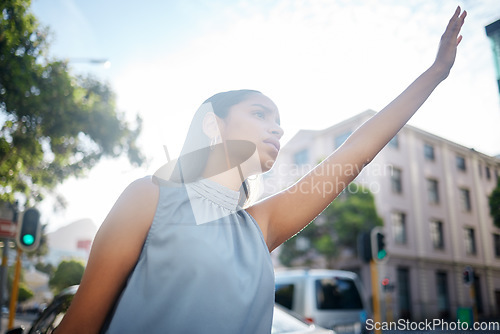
{"x": 28, "y": 239}
{"x": 381, "y": 254}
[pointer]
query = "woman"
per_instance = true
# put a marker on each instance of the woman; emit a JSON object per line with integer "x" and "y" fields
{"x": 178, "y": 254}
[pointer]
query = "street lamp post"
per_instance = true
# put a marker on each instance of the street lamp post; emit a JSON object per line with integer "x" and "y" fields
{"x": 93, "y": 61}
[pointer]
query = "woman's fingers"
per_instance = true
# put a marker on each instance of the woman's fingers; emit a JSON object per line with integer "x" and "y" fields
{"x": 457, "y": 21}
{"x": 449, "y": 41}
{"x": 451, "y": 23}
{"x": 453, "y": 29}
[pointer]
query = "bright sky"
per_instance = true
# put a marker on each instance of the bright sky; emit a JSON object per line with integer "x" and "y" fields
{"x": 320, "y": 61}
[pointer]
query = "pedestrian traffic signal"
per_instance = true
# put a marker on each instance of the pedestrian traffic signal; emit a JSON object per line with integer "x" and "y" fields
{"x": 468, "y": 276}
{"x": 379, "y": 252}
{"x": 28, "y": 235}
{"x": 364, "y": 247}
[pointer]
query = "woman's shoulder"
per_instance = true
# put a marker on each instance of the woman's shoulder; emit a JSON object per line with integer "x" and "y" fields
{"x": 142, "y": 193}
{"x": 142, "y": 189}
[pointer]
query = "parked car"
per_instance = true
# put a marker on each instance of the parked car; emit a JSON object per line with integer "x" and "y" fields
{"x": 333, "y": 299}
{"x": 284, "y": 322}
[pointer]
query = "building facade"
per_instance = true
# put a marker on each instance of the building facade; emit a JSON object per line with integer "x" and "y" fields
{"x": 493, "y": 33}
{"x": 432, "y": 195}
{"x": 71, "y": 242}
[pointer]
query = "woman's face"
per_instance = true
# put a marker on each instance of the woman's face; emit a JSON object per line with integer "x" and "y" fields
{"x": 256, "y": 119}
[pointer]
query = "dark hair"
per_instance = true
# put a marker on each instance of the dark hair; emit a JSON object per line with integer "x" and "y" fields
{"x": 191, "y": 166}
{"x": 222, "y": 102}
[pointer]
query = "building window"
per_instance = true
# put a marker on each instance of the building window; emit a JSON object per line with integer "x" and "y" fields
{"x": 443, "y": 300}
{"x": 429, "y": 152}
{"x": 339, "y": 140}
{"x": 470, "y": 241}
{"x": 394, "y": 142}
{"x": 302, "y": 157}
{"x": 460, "y": 161}
{"x": 496, "y": 244}
{"x": 396, "y": 182}
{"x": 437, "y": 235}
{"x": 488, "y": 173}
{"x": 404, "y": 296}
{"x": 465, "y": 200}
{"x": 399, "y": 227}
{"x": 432, "y": 191}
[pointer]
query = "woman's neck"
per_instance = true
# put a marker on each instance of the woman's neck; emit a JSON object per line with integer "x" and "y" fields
{"x": 231, "y": 173}
{"x": 230, "y": 179}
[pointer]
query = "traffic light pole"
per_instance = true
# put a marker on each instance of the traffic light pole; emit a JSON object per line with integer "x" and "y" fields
{"x": 3, "y": 272}
{"x": 474, "y": 305}
{"x": 375, "y": 294}
{"x": 468, "y": 277}
{"x": 15, "y": 290}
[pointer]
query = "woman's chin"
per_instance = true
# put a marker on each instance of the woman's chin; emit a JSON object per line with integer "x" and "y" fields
{"x": 267, "y": 165}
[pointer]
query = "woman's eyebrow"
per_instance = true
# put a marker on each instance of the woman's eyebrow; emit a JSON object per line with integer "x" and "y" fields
{"x": 267, "y": 110}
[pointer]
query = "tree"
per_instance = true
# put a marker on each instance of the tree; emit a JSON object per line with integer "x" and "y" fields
{"x": 68, "y": 273}
{"x": 337, "y": 227}
{"x": 24, "y": 293}
{"x": 298, "y": 248}
{"x": 46, "y": 268}
{"x": 352, "y": 214}
{"x": 495, "y": 204}
{"x": 54, "y": 124}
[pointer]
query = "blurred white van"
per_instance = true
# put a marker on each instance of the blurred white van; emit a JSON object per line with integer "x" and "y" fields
{"x": 332, "y": 299}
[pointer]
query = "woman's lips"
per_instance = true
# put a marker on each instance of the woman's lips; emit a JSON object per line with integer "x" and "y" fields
{"x": 274, "y": 143}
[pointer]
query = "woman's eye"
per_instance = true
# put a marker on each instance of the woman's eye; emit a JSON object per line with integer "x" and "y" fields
{"x": 259, "y": 114}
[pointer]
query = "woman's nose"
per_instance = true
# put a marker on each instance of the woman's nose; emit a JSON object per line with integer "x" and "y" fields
{"x": 277, "y": 130}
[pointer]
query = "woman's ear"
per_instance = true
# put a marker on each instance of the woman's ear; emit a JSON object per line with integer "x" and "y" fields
{"x": 211, "y": 125}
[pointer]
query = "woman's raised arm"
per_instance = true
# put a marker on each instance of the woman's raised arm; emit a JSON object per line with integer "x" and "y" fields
{"x": 115, "y": 251}
{"x": 286, "y": 213}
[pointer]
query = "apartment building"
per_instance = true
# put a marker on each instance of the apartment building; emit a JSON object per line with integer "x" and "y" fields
{"x": 493, "y": 33}
{"x": 432, "y": 195}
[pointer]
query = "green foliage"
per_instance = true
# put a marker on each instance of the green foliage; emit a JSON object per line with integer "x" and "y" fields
{"x": 494, "y": 202}
{"x": 68, "y": 273}
{"x": 352, "y": 214}
{"x": 24, "y": 293}
{"x": 53, "y": 125}
{"x": 296, "y": 247}
{"x": 337, "y": 227}
{"x": 326, "y": 245}
{"x": 45, "y": 268}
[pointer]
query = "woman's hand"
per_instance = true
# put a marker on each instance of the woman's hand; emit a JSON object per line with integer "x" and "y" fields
{"x": 448, "y": 44}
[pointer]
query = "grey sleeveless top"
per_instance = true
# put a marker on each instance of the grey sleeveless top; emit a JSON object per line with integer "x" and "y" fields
{"x": 204, "y": 268}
